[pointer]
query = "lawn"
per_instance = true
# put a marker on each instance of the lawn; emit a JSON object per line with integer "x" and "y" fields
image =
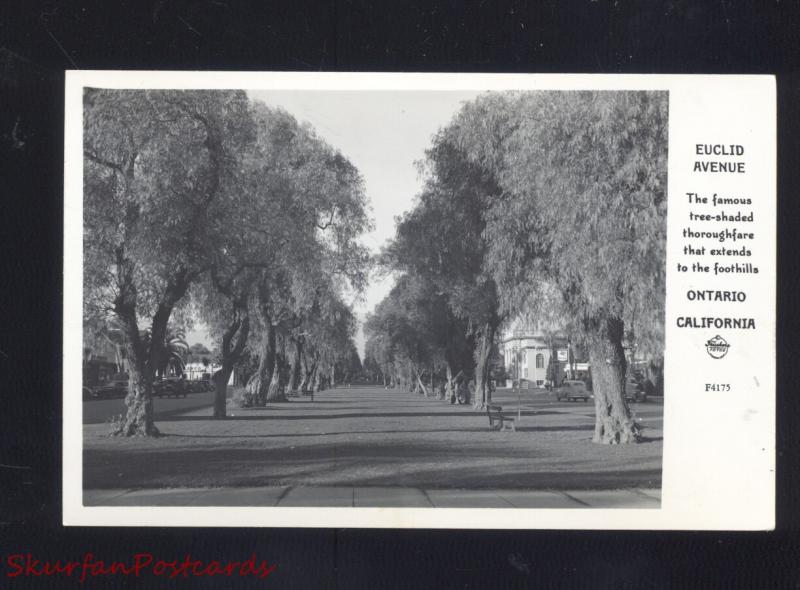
{"x": 376, "y": 437}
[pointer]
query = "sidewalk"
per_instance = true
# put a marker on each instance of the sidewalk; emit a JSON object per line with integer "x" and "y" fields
{"x": 371, "y": 497}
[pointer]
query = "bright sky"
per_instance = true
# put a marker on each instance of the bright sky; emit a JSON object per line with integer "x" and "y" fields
{"x": 383, "y": 133}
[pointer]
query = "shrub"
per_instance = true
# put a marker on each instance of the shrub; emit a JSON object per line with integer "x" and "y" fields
{"x": 116, "y": 424}
{"x": 239, "y": 398}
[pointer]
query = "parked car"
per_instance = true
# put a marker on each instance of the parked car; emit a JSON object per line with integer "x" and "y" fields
{"x": 195, "y": 386}
{"x": 88, "y": 393}
{"x": 170, "y": 387}
{"x": 634, "y": 391}
{"x": 572, "y": 390}
{"x": 199, "y": 385}
{"x": 111, "y": 389}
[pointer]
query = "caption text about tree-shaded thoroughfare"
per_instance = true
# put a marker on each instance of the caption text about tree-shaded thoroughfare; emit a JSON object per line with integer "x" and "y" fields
{"x": 718, "y": 239}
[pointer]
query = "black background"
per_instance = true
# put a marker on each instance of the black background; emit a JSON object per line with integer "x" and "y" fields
{"x": 38, "y": 40}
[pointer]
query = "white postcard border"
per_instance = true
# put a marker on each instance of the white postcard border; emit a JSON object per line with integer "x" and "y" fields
{"x": 719, "y": 449}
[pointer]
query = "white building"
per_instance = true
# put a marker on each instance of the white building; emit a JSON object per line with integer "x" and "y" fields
{"x": 197, "y": 370}
{"x": 527, "y": 346}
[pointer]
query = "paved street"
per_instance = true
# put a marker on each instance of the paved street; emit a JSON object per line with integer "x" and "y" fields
{"x": 100, "y": 411}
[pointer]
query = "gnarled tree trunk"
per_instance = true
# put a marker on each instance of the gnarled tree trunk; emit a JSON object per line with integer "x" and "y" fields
{"x": 263, "y": 373}
{"x": 303, "y": 372}
{"x": 221, "y": 379}
{"x": 613, "y": 421}
{"x": 230, "y": 355}
{"x": 449, "y": 387}
{"x": 275, "y": 392}
{"x": 422, "y": 385}
{"x": 138, "y": 420}
{"x": 308, "y": 375}
{"x": 317, "y": 379}
{"x": 294, "y": 373}
{"x": 258, "y": 386}
{"x": 482, "y": 371}
{"x": 267, "y": 388}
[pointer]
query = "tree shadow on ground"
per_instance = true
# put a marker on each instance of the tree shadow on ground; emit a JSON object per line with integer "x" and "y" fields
{"x": 345, "y": 470}
{"x": 557, "y": 428}
{"x": 485, "y": 429}
{"x": 475, "y": 479}
{"x": 441, "y": 463}
{"x": 347, "y": 415}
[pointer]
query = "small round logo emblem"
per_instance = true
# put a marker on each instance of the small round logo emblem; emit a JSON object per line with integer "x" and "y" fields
{"x": 717, "y": 347}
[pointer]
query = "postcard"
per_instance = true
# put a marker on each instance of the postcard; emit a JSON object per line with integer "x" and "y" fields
{"x": 419, "y": 300}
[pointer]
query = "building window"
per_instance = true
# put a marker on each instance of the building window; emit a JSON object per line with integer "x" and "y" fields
{"x": 540, "y": 361}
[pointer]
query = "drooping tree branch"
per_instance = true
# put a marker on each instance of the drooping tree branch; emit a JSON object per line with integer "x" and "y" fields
{"x": 329, "y": 222}
{"x": 103, "y": 162}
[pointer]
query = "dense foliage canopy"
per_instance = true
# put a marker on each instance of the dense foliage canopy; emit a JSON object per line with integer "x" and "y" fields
{"x": 209, "y": 198}
{"x": 552, "y": 205}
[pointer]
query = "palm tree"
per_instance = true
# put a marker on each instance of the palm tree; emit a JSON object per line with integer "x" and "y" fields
{"x": 173, "y": 355}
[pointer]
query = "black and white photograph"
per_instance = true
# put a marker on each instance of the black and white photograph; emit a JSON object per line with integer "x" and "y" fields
{"x": 373, "y": 299}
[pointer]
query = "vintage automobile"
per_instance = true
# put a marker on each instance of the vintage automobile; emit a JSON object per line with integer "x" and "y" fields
{"x": 195, "y": 386}
{"x": 170, "y": 387}
{"x": 199, "y": 385}
{"x": 111, "y": 389}
{"x": 572, "y": 390}
{"x": 634, "y": 391}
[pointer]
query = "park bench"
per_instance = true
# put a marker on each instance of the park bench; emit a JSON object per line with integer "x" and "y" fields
{"x": 495, "y": 412}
